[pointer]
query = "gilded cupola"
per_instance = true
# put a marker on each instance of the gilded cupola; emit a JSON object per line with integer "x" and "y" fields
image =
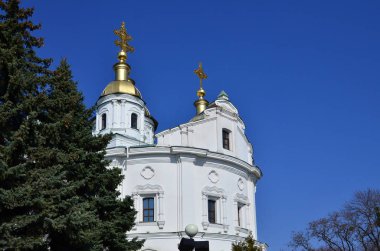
{"x": 122, "y": 83}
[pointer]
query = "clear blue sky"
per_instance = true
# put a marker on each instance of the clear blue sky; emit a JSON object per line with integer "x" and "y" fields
{"x": 305, "y": 76}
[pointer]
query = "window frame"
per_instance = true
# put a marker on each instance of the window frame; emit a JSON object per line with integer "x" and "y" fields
{"x": 103, "y": 121}
{"x": 242, "y": 215}
{"x": 219, "y": 196}
{"x": 226, "y": 139}
{"x": 134, "y": 120}
{"x": 150, "y": 208}
{"x": 214, "y": 211}
{"x": 149, "y": 191}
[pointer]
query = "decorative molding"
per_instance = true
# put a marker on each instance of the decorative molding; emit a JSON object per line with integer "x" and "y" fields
{"x": 242, "y": 198}
{"x": 221, "y": 197}
{"x": 241, "y": 230}
{"x": 227, "y": 114}
{"x": 241, "y": 184}
{"x": 148, "y": 188}
{"x": 214, "y": 191}
{"x": 226, "y": 105}
{"x": 225, "y": 228}
{"x": 175, "y": 235}
{"x": 147, "y": 161}
{"x": 232, "y": 162}
{"x": 133, "y": 109}
{"x": 151, "y": 224}
{"x": 138, "y": 195}
{"x": 205, "y": 224}
{"x": 213, "y": 176}
{"x": 216, "y": 225}
{"x": 230, "y": 169}
{"x": 147, "y": 172}
{"x": 103, "y": 110}
{"x": 160, "y": 224}
{"x": 118, "y": 96}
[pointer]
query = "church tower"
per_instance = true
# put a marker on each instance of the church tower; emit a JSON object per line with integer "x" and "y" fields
{"x": 120, "y": 109}
{"x": 201, "y": 172}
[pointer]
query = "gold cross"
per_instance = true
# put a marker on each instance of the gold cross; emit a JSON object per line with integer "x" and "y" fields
{"x": 200, "y": 73}
{"x": 124, "y": 39}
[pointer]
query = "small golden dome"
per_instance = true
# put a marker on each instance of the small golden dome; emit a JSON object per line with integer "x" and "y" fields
{"x": 122, "y": 86}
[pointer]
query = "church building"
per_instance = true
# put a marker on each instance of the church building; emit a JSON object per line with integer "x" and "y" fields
{"x": 201, "y": 172}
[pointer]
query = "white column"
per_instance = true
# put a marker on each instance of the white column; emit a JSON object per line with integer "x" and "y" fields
{"x": 140, "y": 208}
{"x": 136, "y": 205}
{"x": 97, "y": 126}
{"x": 113, "y": 113}
{"x": 122, "y": 112}
{"x": 179, "y": 195}
{"x": 224, "y": 211}
{"x": 254, "y": 219}
{"x": 247, "y": 216}
{"x": 204, "y": 206}
{"x": 225, "y": 226}
{"x": 205, "y": 222}
{"x": 140, "y": 124}
{"x": 160, "y": 206}
{"x": 236, "y": 213}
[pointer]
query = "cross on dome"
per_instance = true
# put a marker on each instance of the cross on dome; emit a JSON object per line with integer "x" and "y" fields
{"x": 123, "y": 42}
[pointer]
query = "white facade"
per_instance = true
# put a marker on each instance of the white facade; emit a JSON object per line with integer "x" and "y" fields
{"x": 199, "y": 168}
{"x": 118, "y": 109}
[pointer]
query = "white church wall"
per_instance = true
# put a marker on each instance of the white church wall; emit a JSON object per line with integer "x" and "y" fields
{"x": 188, "y": 167}
{"x": 207, "y": 134}
{"x": 185, "y": 175}
{"x": 118, "y": 109}
{"x": 161, "y": 174}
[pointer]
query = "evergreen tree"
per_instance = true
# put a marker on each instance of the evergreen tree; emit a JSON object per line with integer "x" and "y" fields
{"x": 249, "y": 244}
{"x": 22, "y": 84}
{"x": 85, "y": 211}
{"x": 55, "y": 190}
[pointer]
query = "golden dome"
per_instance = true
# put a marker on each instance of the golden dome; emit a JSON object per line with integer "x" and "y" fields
{"x": 122, "y": 86}
{"x": 122, "y": 83}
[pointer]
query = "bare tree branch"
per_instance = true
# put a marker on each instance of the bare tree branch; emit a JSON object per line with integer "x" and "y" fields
{"x": 356, "y": 227}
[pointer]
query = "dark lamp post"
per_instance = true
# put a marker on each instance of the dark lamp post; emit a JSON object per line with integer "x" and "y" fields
{"x": 187, "y": 244}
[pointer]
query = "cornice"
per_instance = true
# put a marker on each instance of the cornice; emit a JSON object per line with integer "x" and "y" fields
{"x": 144, "y": 154}
{"x": 138, "y": 152}
{"x": 124, "y": 96}
{"x": 179, "y": 235}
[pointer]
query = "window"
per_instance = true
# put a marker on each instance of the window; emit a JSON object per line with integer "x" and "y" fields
{"x": 240, "y": 214}
{"x": 104, "y": 121}
{"x": 134, "y": 120}
{"x": 212, "y": 211}
{"x": 226, "y": 139}
{"x": 148, "y": 201}
{"x": 214, "y": 208}
{"x": 148, "y": 209}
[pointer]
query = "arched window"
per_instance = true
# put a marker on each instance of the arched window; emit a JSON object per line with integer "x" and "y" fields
{"x": 134, "y": 120}
{"x": 104, "y": 121}
{"x": 226, "y": 139}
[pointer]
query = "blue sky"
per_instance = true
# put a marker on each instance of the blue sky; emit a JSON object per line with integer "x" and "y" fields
{"x": 305, "y": 76}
